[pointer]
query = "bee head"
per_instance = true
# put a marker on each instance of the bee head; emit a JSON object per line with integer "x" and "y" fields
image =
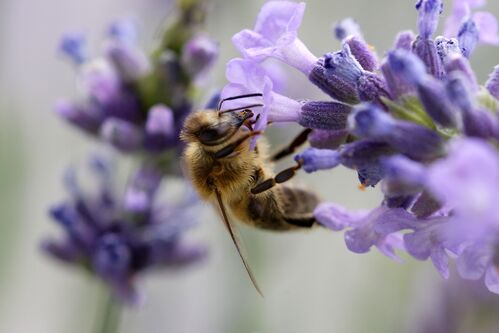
{"x": 212, "y": 127}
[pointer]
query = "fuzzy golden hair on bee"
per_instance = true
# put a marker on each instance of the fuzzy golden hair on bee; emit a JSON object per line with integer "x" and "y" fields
{"x": 236, "y": 176}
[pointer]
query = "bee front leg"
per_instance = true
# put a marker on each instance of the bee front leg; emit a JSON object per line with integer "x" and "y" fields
{"x": 281, "y": 177}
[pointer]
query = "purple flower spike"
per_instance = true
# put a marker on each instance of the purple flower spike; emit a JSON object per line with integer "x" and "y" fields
{"x": 314, "y": 159}
{"x": 275, "y": 35}
{"x": 468, "y": 37}
{"x": 74, "y": 46}
{"x": 121, "y": 134}
{"x": 429, "y": 15}
{"x": 492, "y": 84}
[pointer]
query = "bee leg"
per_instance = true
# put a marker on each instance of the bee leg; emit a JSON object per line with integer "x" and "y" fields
{"x": 297, "y": 142}
{"x": 281, "y": 177}
{"x": 229, "y": 149}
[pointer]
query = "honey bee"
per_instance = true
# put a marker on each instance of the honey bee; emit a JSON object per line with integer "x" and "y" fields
{"x": 225, "y": 169}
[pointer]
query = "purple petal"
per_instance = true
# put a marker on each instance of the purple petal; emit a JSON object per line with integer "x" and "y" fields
{"x": 487, "y": 26}
{"x": 440, "y": 260}
{"x": 279, "y": 21}
{"x": 336, "y": 217}
{"x": 492, "y": 279}
{"x": 473, "y": 262}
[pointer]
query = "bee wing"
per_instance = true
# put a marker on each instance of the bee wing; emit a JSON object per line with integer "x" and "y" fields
{"x": 236, "y": 239}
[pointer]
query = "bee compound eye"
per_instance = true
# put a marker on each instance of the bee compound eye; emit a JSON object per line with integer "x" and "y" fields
{"x": 209, "y": 135}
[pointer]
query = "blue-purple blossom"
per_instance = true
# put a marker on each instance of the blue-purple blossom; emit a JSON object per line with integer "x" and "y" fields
{"x": 118, "y": 239}
{"x": 276, "y": 35}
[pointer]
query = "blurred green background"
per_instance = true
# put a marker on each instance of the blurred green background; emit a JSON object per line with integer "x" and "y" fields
{"x": 312, "y": 283}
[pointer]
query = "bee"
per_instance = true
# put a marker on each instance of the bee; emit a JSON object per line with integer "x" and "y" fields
{"x": 228, "y": 171}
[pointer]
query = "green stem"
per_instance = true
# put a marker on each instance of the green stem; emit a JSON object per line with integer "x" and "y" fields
{"x": 109, "y": 316}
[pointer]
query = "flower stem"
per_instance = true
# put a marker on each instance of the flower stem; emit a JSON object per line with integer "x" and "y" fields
{"x": 109, "y": 316}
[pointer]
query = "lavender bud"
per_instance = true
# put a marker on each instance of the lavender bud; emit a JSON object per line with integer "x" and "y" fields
{"x": 446, "y": 48}
{"x": 324, "y": 115}
{"x": 100, "y": 81}
{"x": 369, "y": 121}
{"x": 476, "y": 122}
{"x": 406, "y": 65}
{"x": 86, "y": 118}
{"x": 346, "y": 28}
{"x": 199, "y": 54}
{"x": 160, "y": 121}
{"x": 468, "y": 37}
{"x": 426, "y": 50}
{"x": 436, "y": 103}
{"x": 429, "y": 14}
{"x": 337, "y": 74}
{"x": 402, "y": 169}
{"x": 404, "y": 40}
{"x": 314, "y": 159}
{"x": 396, "y": 84}
{"x": 74, "y": 46}
{"x": 413, "y": 140}
{"x": 492, "y": 84}
{"x": 327, "y": 139}
{"x": 363, "y": 53}
{"x": 112, "y": 257}
{"x": 121, "y": 134}
{"x": 372, "y": 87}
{"x": 123, "y": 30}
{"x": 140, "y": 194}
{"x": 130, "y": 62}
{"x": 460, "y": 64}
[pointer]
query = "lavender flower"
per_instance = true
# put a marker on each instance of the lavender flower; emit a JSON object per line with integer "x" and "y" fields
{"x": 123, "y": 89}
{"x": 416, "y": 122}
{"x": 102, "y": 237}
{"x": 276, "y": 35}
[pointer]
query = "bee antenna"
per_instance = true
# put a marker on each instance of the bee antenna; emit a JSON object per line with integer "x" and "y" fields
{"x": 237, "y": 97}
{"x": 241, "y": 108}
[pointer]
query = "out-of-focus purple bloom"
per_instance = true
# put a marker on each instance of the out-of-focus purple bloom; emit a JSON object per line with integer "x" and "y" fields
{"x": 199, "y": 54}
{"x": 114, "y": 245}
{"x": 486, "y": 23}
{"x": 276, "y": 35}
{"x": 468, "y": 36}
{"x": 404, "y": 40}
{"x": 472, "y": 165}
{"x": 74, "y": 46}
{"x": 492, "y": 84}
{"x": 121, "y": 134}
